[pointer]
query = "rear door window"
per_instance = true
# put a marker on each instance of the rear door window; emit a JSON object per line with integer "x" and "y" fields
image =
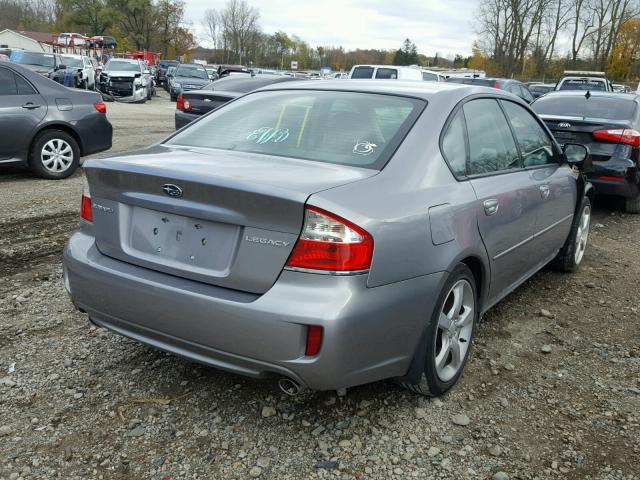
{"x": 536, "y": 146}
{"x": 7, "y": 82}
{"x": 24, "y": 87}
{"x": 429, "y": 77}
{"x": 492, "y": 148}
{"x": 348, "y": 128}
{"x": 387, "y": 73}
{"x": 362, "y": 72}
{"x": 454, "y": 145}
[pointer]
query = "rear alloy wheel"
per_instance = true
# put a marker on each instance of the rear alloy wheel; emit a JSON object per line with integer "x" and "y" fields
{"x": 54, "y": 155}
{"x": 449, "y": 334}
{"x": 572, "y": 253}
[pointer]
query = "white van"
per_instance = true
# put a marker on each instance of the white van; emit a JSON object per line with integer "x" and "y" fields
{"x": 388, "y": 72}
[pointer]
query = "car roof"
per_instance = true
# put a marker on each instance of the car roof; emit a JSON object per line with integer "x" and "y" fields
{"x": 418, "y": 89}
{"x": 130, "y": 60}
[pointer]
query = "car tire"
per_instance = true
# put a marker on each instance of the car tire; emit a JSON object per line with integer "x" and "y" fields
{"x": 54, "y": 155}
{"x": 443, "y": 366}
{"x": 572, "y": 252}
{"x": 632, "y": 205}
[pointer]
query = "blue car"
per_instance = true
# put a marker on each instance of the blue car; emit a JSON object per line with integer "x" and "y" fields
{"x": 188, "y": 76}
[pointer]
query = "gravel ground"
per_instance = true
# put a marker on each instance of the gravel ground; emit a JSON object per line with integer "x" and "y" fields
{"x": 552, "y": 389}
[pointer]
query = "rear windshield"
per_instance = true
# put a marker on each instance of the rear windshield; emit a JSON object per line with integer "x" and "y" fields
{"x": 583, "y": 84}
{"x": 362, "y": 72}
{"x": 192, "y": 71}
{"x": 72, "y": 61}
{"x": 613, "y": 108}
{"x": 28, "y": 58}
{"x": 349, "y": 128}
{"x": 244, "y": 85}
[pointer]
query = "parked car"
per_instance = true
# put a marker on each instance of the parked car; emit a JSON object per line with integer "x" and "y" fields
{"x": 340, "y": 75}
{"x": 539, "y": 89}
{"x": 193, "y": 104}
{"x": 46, "y": 126}
{"x": 69, "y": 39}
{"x": 187, "y": 76}
{"x": 620, "y": 88}
{"x": 167, "y": 78}
{"x": 231, "y": 70}
{"x": 609, "y": 124}
{"x": 126, "y": 80}
{"x": 163, "y": 66}
{"x": 257, "y": 240}
{"x": 103, "y": 41}
{"x": 85, "y": 69}
{"x": 49, "y": 65}
{"x": 581, "y": 80}
{"x": 519, "y": 89}
{"x": 212, "y": 71}
{"x": 387, "y": 72}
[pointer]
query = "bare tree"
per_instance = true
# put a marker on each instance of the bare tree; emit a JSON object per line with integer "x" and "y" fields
{"x": 239, "y": 22}
{"x": 211, "y": 23}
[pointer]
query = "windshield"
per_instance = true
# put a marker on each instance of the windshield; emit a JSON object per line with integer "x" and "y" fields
{"x": 72, "y": 61}
{"x": 29, "y": 58}
{"x": 192, "y": 72}
{"x": 583, "y": 84}
{"x": 118, "y": 66}
{"x": 612, "y": 108}
{"x": 348, "y": 128}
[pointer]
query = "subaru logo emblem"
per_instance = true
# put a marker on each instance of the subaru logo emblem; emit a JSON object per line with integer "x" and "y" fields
{"x": 172, "y": 190}
{"x": 564, "y": 125}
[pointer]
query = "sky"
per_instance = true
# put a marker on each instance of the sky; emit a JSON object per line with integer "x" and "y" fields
{"x": 443, "y": 26}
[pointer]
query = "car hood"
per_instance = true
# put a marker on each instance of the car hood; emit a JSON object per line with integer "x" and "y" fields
{"x": 120, "y": 73}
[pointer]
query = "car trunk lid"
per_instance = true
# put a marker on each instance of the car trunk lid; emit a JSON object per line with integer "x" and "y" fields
{"x": 204, "y": 102}
{"x": 572, "y": 129}
{"x": 225, "y": 218}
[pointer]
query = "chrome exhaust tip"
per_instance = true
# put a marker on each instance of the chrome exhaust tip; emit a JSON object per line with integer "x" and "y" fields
{"x": 290, "y": 387}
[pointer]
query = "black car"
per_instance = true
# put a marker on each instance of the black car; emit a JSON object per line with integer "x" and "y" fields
{"x": 514, "y": 86}
{"x": 47, "y": 126}
{"x": 539, "y": 89}
{"x": 194, "y": 104}
{"x": 609, "y": 124}
{"x": 163, "y": 66}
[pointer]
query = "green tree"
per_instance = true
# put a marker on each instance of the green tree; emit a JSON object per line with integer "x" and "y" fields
{"x": 407, "y": 55}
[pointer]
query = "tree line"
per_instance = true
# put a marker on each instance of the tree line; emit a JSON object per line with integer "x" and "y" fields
{"x": 540, "y": 38}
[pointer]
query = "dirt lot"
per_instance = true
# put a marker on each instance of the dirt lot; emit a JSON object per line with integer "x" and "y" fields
{"x": 81, "y": 402}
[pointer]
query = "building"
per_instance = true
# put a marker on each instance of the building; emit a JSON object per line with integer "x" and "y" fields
{"x": 31, "y": 41}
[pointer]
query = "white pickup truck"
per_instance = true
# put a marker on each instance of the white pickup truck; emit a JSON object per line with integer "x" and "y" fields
{"x": 583, "y": 80}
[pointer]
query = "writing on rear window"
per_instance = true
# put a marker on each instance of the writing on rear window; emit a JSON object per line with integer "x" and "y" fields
{"x": 269, "y": 134}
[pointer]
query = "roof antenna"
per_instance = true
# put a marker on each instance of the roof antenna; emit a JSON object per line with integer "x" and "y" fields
{"x": 587, "y": 95}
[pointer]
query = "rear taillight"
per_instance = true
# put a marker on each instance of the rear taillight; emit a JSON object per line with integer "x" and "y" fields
{"x": 180, "y": 103}
{"x": 331, "y": 243}
{"x": 314, "y": 340}
{"x": 100, "y": 106}
{"x": 85, "y": 207}
{"x": 187, "y": 105}
{"x": 496, "y": 85}
{"x": 627, "y": 136}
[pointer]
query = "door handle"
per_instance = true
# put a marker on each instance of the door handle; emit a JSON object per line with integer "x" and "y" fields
{"x": 30, "y": 106}
{"x": 544, "y": 191}
{"x": 491, "y": 206}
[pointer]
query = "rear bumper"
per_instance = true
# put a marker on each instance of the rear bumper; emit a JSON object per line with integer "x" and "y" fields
{"x": 619, "y": 177}
{"x": 96, "y": 133}
{"x": 369, "y": 333}
{"x": 184, "y": 118}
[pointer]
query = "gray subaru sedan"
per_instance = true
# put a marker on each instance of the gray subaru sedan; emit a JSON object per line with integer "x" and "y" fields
{"x": 329, "y": 234}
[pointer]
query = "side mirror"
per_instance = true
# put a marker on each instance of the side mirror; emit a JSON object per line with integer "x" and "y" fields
{"x": 61, "y": 67}
{"x": 577, "y": 155}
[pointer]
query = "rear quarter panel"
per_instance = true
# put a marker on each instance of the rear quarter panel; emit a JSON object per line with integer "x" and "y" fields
{"x": 421, "y": 218}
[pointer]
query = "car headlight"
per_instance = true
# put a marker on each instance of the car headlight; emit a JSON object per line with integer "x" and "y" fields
{"x": 137, "y": 81}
